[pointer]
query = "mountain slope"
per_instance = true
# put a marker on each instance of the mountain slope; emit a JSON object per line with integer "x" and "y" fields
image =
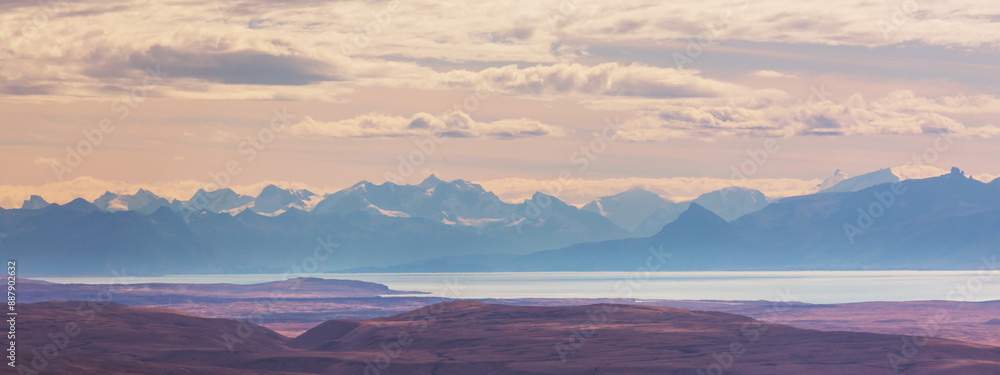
{"x": 945, "y": 222}
{"x": 34, "y": 203}
{"x": 695, "y": 227}
{"x": 628, "y": 209}
{"x": 537, "y": 223}
{"x": 217, "y": 201}
{"x": 881, "y": 176}
{"x": 730, "y": 203}
{"x": 274, "y": 200}
{"x": 143, "y": 201}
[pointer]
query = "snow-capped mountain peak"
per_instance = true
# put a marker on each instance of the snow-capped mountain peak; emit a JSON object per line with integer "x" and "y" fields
{"x": 430, "y": 182}
{"x": 829, "y": 182}
{"x": 628, "y": 209}
{"x": 143, "y": 201}
{"x": 274, "y": 200}
{"x": 882, "y": 176}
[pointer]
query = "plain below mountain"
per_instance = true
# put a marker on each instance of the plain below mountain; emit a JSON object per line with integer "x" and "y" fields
{"x": 467, "y": 337}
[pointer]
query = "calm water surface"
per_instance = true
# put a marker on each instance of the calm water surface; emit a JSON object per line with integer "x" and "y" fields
{"x": 804, "y": 286}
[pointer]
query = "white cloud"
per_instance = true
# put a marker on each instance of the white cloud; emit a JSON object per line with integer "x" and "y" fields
{"x": 454, "y": 125}
{"x": 773, "y": 74}
{"x": 610, "y": 79}
{"x": 677, "y": 189}
{"x": 899, "y": 112}
{"x": 47, "y": 162}
{"x": 259, "y": 50}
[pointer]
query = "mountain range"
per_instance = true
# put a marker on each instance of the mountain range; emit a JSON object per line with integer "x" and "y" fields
{"x": 945, "y": 222}
{"x": 941, "y": 222}
{"x": 221, "y": 231}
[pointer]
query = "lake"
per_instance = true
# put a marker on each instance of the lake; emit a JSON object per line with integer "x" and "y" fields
{"x": 803, "y": 286}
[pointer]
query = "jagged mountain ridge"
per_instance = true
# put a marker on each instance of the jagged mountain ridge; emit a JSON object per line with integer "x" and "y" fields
{"x": 946, "y": 222}
{"x": 448, "y": 218}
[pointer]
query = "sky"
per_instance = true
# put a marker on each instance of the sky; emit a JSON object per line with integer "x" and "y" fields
{"x": 574, "y": 97}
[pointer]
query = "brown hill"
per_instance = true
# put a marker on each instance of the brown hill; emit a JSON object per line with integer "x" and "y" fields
{"x": 472, "y": 337}
{"x": 109, "y": 338}
{"x": 464, "y": 337}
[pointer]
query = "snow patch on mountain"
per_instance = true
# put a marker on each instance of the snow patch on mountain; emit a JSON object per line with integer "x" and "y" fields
{"x": 829, "y": 182}
{"x": 883, "y": 176}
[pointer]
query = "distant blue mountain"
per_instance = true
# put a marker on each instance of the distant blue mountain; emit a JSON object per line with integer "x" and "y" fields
{"x": 937, "y": 223}
{"x": 375, "y": 225}
{"x": 946, "y": 222}
{"x": 729, "y": 203}
{"x": 34, "y": 202}
{"x": 628, "y": 209}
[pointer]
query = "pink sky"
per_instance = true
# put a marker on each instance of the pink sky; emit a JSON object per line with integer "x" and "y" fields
{"x": 510, "y": 93}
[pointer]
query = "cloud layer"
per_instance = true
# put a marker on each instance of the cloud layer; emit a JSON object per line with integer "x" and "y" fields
{"x": 553, "y": 72}
{"x": 897, "y": 113}
{"x": 452, "y": 125}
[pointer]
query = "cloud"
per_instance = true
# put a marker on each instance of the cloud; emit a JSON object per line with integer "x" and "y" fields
{"x": 611, "y": 79}
{"x": 677, "y": 189}
{"x": 897, "y": 113}
{"x": 907, "y": 100}
{"x": 292, "y": 50}
{"x": 223, "y": 136}
{"x": 244, "y": 67}
{"x": 853, "y": 22}
{"x": 47, "y": 162}
{"x": 773, "y": 74}
{"x": 453, "y": 125}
